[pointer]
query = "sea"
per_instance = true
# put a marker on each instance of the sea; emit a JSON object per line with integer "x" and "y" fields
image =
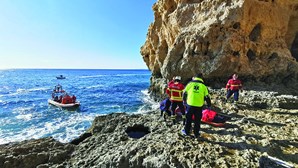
{"x": 25, "y": 113}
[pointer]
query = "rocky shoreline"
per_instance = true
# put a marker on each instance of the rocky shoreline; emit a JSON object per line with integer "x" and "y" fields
{"x": 264, "y": 123}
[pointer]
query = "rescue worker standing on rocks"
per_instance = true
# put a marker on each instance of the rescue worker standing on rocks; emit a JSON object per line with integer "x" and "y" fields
{"x": 195, "y": 94}
{"x": 175, "y": 91}
{"x": 233, "y": 86}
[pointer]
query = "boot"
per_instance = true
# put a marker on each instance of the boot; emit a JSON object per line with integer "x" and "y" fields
{"x": 173, "y": 117}
{"x": 165, "y": 116}
{"x": 183, "y": 119}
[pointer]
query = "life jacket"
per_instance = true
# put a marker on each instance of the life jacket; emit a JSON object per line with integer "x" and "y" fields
{"x": 175, "y": 91}
{"x": 66, "y": 100}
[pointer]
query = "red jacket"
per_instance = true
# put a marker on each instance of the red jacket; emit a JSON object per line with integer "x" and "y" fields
{"x": 208, "y": 115}
{"x": 175, "y": 91}
{"x": 234, "y": 84}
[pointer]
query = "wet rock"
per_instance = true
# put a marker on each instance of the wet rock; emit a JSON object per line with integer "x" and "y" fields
{"x": 34, "y": 153}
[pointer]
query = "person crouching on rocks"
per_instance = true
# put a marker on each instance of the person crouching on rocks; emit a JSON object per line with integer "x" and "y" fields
{"x": 165, "y": 107}
{"x": 233, "y": 86}
{"x": 175, "y": 91}
{"x": 195, "y": 93}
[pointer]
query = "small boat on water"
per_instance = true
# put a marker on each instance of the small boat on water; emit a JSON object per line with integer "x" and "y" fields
{"x": 68, "y": 105}
{"x": 62, "y": 99}
{"x": 60, "y": 77}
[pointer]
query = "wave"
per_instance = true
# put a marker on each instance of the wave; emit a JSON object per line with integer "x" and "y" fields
{"x": 31, "y": 90}
{"x": 148, "y": 103}
{"x": 24, "y": 117}
{"x": 27, "y": 101}
{"x": 95, "y": 86}
{"x": 20, "y": 91}
{"x": 62, "y": 130}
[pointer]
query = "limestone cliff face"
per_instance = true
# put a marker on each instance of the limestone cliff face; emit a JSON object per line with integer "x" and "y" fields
{"x": 258, "y": 39}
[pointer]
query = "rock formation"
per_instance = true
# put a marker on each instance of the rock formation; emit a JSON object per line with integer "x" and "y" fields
{"x": 258, "y": 39}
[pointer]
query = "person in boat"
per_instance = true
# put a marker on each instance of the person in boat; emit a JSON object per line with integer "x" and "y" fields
{"x": 233, "y": 86}
{"x": 60, "y": 99}
{"x": 58, "y": 88}
{"x": 67, "y": 99}
{"x": 74, "y": 98}
{"x": 165, "y": 107}
{"x": 175, "y": 91}
{"x": 56, "y": 99}
{"x": 195, "y": 94}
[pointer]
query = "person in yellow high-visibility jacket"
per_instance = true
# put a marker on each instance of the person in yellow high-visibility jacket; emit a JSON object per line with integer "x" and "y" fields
{"x": 195, "y": 94}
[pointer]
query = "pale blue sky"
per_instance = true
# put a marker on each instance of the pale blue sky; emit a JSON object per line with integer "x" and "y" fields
{"x": 94, "y": 34}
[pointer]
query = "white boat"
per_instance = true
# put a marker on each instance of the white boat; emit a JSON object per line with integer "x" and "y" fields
{"x": 68, "y": 105}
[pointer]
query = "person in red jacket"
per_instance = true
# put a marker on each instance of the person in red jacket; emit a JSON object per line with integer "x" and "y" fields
{"x": 175, "y": 92}
{"x": 233, "y": 86}
{"x": 172, "y": 81}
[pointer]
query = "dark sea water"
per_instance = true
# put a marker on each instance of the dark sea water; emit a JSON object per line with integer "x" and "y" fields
{"x": 26, "y": 114}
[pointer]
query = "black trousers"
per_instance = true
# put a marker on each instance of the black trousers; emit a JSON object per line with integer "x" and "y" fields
{"x": 197, "y": 112}
{"x": 180, "y": 105}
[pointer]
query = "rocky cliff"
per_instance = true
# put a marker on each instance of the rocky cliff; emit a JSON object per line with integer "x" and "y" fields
{"x": 258, "y": 39}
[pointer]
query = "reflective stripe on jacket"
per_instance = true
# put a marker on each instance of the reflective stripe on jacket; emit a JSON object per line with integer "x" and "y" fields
{"x": 234, "y": 84}
{"x": 175, "y": 92}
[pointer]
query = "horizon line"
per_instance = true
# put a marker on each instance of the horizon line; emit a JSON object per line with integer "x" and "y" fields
{"x": 73, "y": 69}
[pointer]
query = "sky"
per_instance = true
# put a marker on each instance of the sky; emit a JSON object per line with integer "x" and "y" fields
{"x": 74, "y": 34}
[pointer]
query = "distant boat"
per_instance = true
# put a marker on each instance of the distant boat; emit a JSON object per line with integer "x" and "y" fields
{"x": 60, "y": 77}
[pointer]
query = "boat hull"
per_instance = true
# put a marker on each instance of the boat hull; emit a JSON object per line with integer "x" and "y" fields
{"x": 70, "y": 105}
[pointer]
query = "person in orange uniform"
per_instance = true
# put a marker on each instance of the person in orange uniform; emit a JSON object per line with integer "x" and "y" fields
{"x": 175, "y": 92}
{"x": 233, "y": 86}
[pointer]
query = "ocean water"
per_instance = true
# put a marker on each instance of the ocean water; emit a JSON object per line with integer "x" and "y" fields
{"x": 25, "y": 113}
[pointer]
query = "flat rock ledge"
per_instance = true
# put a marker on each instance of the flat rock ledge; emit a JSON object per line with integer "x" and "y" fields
{"x": 260, "y": 125}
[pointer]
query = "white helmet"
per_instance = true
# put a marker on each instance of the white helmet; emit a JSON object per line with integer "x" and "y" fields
{"x": 177, "y": 78}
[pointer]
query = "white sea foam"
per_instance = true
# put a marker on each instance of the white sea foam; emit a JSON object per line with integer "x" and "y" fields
{"x": 95, "y": 86}
{"x": 25, "y": 117}
{"x": 65, "y": 130}
{"x": 149, "y": 103}
{"x": 111, "y": 106}
{"x": 72, "y": 128}
{"x": 22, "y": 110}
{"x": 20, "y": 90}
{"x": 93, "y": 76}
